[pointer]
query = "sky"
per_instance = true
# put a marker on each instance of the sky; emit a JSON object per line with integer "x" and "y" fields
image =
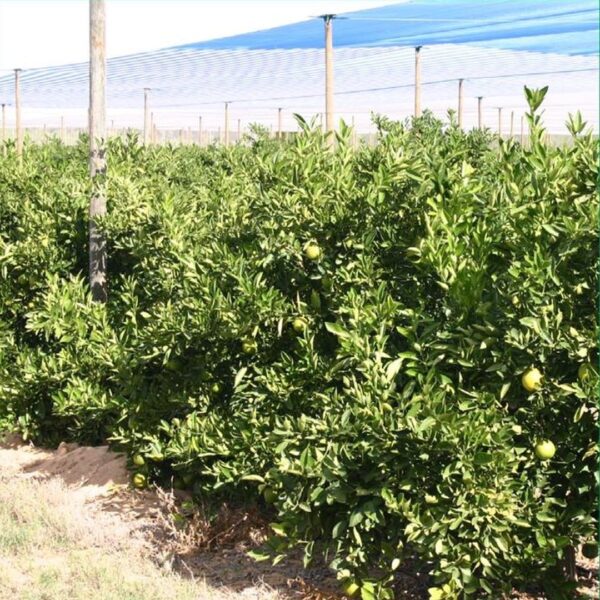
{"x": 40, "y": 33}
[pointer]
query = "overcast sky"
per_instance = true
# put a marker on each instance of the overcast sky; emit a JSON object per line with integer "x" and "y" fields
{"x": 39, "y": 33}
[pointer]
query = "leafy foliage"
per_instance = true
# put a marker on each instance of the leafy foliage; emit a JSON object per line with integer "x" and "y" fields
{"x": 370, "y": 391}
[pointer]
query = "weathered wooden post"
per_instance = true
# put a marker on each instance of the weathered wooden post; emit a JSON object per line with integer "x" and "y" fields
{"x": 479, "y": 113}
{"x": 329, "y": 125}
{"x": 97, "y": 134}
{"x": 460, "y": 103}
{"x": 226, "y": 123}
{"x": 512, "y": 123}
{"x": 200, "y": 131}
{"x": 279, "y": 131}
{"x": 418, "y": 81}
{"x": 19, "y": 131}
{"x": 239, "y": 130}
{"x": 500, "y": 121}
{"x": 146, "y": 117}
{"x": 522, "y": 129}
{"x": 3, "y": 122}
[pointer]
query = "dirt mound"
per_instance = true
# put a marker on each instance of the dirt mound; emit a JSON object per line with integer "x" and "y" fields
{"x": 83, "y": 465}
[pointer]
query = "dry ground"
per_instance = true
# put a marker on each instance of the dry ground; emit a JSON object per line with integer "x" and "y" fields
{"x": 70, "y": 528}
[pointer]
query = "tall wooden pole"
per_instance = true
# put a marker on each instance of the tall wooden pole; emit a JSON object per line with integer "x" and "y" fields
{"x": 522, "y": 129}
{"x": 200, "y": 131}
{"x": 329, "y": 127}
{"x": 226, "y": 123}
{"x": 146, "y": 117}
{"x": 512, "y": 122}
{"x": 500, "y": 121}
{"x": 279, "y": 129}
{"x": 479, "y": 113}
{"x": 97, "y": 124}
{"x": 418, "y": 81}
{"x": 239, "y": 130}
{"x": 3, "y": 122}
{"x": 460, "y": 103}
{"x": 19, "y": 131}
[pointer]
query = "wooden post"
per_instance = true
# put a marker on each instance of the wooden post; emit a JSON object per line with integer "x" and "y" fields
{"x": 522, "y": 129}
{"x": 512, "y": 122}
{"x": 500, "y": 121}
{"x": 418, "y": 81}
{"x": 479, "y": 113}
{"x": 62, "y": 129}
{"x": 19, "y": 132}
{"x": 460, "y": 103}
{"x": 329, "y": 126}
{"x": 3, "y": 123}
{"x": 97, "y": 125}
{"x": 279, "y": 131}
{"x": 239, "y": 131}
{"x": 200, "y": 131}
{"x": 146, "y": 118}
{"x": 226, "y": 123}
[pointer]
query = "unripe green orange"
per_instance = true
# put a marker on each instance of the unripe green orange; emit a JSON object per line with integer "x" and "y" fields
{"x": 312, "y": 252}
{"x": 545, "y": 450}
{"x": 585, "y": 371}
{"x": 139, "y": 480}
{"x": 249, "y": 346}
{"x": 299, "y": 324}
{"x": 138, "y": 460}
{"x": 532, "y": 380}
{"x": 350, "y": 588}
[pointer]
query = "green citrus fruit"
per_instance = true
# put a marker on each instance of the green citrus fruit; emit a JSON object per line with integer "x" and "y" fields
{"x": 249, "y": 346}
{"x": 299, "y": 324}
{"x": 585, "y": 372}
{"x": 532, "y": 380}
{"x": 139, "y": 480}
{"x": 545, "y": 450}
{"x": 312, "y": 252}
{"x": 350, "y": 588}
{"x": 215, "y": 388}
{"x": 138, "y": 460}
{"x": 590, "y": 550}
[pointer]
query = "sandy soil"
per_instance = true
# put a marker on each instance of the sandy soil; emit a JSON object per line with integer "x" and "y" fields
{"x": 97, "y": 483}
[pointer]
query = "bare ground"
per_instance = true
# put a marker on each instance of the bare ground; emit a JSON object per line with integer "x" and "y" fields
{"x": 74, "y": 529}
